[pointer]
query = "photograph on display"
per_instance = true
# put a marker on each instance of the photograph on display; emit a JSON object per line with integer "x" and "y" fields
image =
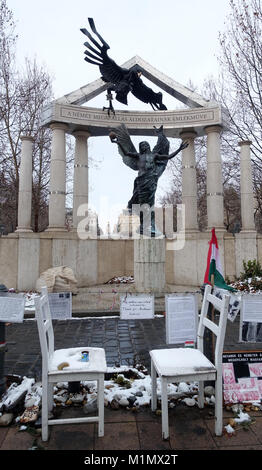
{"x": 251, "y": 318}
{"x": 242, "y": 376}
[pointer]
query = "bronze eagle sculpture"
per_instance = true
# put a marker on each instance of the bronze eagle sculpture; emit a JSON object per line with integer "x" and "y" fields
{"x": 120, "y": 80}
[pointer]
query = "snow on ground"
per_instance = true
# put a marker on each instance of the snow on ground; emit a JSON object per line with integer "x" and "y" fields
{"x": 119, "y": 391}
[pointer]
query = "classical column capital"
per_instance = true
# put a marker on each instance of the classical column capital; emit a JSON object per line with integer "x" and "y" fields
{"x": 81, "y": 133}
{"x": 188, "y": 135}
{"x": 244, "y": 142}
{"x": 216, "y": 128}
{"x": 27, "y": 137}
{"x": 59, "y": 125}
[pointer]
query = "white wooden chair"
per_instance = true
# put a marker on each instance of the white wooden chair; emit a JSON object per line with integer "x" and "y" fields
{"x": 76, "y": 371}
{"x": 186, "y": 364}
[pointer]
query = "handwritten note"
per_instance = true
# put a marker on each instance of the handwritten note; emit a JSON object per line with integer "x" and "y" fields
{"x": 136, "y": 306}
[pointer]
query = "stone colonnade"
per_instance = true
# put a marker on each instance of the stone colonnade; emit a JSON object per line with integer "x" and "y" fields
{"x": 215, "y": 208}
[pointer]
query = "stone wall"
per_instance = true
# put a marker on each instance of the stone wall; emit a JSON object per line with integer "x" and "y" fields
{"x": 24, "y": 256}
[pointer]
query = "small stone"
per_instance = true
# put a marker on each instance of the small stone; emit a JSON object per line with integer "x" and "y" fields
{"x": 90, "y": 406}
{"x": 131, "y": 400}
{"x": 114, "y": 404}
{"x": 77, "y": 398}
{"x": 209, "y": 391}
{"x": 189, "y": 401}
{"x": 139, "y": 393}
{"x": 123, "y": 402}
{"x": 6, "y": 419}
{"x": 237, "y": 408}
{"x": 117, "y": 397}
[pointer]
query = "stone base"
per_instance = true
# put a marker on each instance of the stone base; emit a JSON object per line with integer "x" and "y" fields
{"x": 56, "y": 229}
{"x": 149, "y": 265}
{"x": 24, "y": 229}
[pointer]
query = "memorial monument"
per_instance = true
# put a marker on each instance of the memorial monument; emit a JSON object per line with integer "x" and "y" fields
{"x": 155, "y": 262}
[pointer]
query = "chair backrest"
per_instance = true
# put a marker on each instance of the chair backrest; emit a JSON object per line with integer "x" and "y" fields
{"x": 220, "y": 305}
{"x": 45, "y": 327}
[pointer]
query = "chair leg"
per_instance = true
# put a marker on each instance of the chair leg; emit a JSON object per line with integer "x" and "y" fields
{"x": 44, "y": 409}
{"x": 153, "y": 387}
{"x": 219, "y": 407}
{"x": 164, "y": 406}
{"x": 101, "y": 404}
{"x": 50, "y": 396}
{"x": 201, "y": 394}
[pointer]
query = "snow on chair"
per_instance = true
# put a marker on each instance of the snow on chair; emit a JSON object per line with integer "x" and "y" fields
{"x": 185, "y": 364}
{"x": 74, "y": 370}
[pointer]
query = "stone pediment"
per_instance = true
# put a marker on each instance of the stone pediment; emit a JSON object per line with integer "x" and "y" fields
{"x": 199, "y": 113}
{"x": 170, "y": 86}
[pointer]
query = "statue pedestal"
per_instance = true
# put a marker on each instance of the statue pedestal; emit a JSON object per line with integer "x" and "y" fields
{"x": 149, "y": 264}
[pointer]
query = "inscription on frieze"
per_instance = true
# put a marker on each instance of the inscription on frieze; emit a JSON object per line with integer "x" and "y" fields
{"x": 174, "y": 117}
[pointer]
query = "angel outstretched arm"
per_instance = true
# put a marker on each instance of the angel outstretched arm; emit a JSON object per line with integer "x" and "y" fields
{"x": 173, "y": 154}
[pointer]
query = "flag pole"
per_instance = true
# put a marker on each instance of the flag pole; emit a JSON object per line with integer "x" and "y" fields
{"x": 212, "y": 280}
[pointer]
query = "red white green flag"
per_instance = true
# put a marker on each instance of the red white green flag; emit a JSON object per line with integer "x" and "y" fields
{"x": 214, "y": 265}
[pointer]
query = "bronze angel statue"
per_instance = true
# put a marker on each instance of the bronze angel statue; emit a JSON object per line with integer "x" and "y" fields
{"x": 119, "y": 79}
{"x": 150, "y": 165}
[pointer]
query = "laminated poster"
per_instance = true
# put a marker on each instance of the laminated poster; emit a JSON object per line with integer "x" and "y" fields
{"x": 251, "y": 318}
{"x": 12, "y": 307}
{"x": 181, "y": 318}
{"x": 242, "y": 376}
{"x": 60, "y": 305}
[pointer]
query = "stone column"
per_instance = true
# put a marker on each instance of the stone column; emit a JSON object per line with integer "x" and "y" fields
{"x": 149, "y": 265}
{"x": 215, "y": 199}
{"x": 57, "y": 178}
{"x": 25, "y": 186}
{"x": 80, "y": 173}
{"x": 246, "y": 186}
{"x": 189, "y": 183}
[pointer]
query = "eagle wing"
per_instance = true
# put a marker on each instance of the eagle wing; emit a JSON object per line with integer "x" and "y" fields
{"x": 123, "y": 138}
{"x": 110, "y": 71}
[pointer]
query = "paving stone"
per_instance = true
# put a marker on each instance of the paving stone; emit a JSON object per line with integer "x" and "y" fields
{"x": 118, "y": 436}
{"x": 3, "y": 433}
{"x": 240, "y": 438}
{"x": 150, "y": 436}
{"x": 17, "y": 440}
{"x": 71, "y": 437}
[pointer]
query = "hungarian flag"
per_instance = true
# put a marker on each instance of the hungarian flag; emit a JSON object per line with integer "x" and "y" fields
{"x": 214, "y": 265}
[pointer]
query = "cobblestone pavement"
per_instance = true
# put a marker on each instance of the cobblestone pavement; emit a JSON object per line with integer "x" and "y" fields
{"x": 125, "y": 342}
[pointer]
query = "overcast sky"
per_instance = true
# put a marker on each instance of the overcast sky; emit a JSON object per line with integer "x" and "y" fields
{"x": 177, "y": 37}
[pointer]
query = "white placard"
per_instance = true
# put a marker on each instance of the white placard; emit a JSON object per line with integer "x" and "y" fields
{"x": 136, "y": 306}
{"x": 252, "y": 308}
{"x": 12, "y": 308}
{"x": 60, "y": 305}
{"x": 181, "y": 318}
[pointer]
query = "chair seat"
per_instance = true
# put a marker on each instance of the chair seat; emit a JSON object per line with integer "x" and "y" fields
{"x": 72, "y": 356}
{"x": 180, "y": 361}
